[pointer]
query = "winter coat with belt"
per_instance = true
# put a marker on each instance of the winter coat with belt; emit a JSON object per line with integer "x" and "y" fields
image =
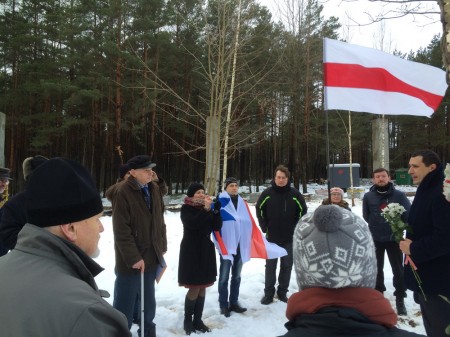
{"x": 278, "y": 210}
{"x": 47, "y": 289}
{"x": 429, "y": 218}
{"x": 139, "y": 233}
{"x": 374, "y": 202}
{"x": 197, "y": 263}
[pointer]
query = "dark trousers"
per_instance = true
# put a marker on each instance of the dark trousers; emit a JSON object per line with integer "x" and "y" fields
{"x": 224, "y": 275}
{"x": 435, "y": 314}
{"x": 127, "y": 287}
{"x": 284, "y": 275}
{"x": 395, "y": 257}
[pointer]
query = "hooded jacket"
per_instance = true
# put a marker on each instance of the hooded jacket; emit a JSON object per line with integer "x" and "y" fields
{"x": 47, "y": 289}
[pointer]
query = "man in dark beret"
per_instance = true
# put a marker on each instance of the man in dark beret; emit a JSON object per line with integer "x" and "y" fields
{"x": 139, "y": 239}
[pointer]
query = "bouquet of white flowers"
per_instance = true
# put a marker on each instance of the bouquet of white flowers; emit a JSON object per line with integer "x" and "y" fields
{"x": 393, "y": 215}
{"x": 447, "y": 182}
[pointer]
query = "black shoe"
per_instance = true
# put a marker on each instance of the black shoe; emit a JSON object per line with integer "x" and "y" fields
{"x": 201, "y": 327}
{"x": 266, "y": 300}
{"x": 400, "y": 304}
{"x": 237, "y": 308}
{"x": 225, "y": 312}
{"x": 283, "y": 298}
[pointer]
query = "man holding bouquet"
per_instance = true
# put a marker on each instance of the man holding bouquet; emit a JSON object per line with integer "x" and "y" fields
{"x": 427, "y": 244}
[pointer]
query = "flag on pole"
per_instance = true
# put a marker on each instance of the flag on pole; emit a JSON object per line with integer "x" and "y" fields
{"x": 368, "y": 80}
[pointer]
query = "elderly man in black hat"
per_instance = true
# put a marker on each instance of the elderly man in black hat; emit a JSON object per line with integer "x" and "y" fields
{"x": 4, "y": 182}
{"x": 139, "y": 238}
{"x": 47, "y": 285}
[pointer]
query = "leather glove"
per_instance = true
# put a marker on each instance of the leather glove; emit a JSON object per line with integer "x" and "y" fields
{"x": 216, "y": 206}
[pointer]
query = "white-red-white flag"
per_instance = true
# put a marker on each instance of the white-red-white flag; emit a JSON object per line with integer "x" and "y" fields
{"x": 368, "y": 80}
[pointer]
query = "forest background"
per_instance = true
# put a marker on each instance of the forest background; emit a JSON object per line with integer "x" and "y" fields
{"x": 188, "y": 83}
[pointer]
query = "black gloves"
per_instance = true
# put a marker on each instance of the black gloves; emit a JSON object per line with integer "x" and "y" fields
{"x": 216, "y": 206}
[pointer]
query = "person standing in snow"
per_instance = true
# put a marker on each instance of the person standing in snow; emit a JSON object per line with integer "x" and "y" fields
{"x": 278, "y": 210}
{"x": 231, "y": 235}
{"x": 139, "y": 239}
{"x": 14, "y": 215}
{"x": 379, "y": 196}
{"x": 428, "y": 242}
{"x": 47, "y": 283}
{"x": 4, "y": 182}
{"x": 337, "y": 198}
{"x": 336, "y": 295}
{"x": 197, "y": 268}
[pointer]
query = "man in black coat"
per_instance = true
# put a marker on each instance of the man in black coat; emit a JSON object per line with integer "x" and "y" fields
{"x": 14, "y": 215}
{"x": 428, "y": 243}
{"x": 278, "y": 210}
{"x": 379, "y": 196}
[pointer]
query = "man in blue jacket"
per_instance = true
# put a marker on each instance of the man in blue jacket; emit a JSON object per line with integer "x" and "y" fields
{"x": 428, "y": 243}
{"x": 278, "y": 210}
{"x": 379, "y": 196}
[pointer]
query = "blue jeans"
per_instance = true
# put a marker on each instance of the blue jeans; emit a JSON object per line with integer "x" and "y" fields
{"x": 224, "y": 275}
{"x": 127, "y": 287}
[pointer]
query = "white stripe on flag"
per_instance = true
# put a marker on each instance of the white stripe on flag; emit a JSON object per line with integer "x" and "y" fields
{"x": 373, "y": 81}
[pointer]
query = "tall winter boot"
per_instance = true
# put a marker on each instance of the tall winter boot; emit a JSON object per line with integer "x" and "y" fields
{"x": 198, "y": 312}
{"x": 189, "y": 307}
{"x": 400, "y": 304}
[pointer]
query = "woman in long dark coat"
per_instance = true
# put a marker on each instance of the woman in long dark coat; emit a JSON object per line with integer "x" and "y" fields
{"x": 197, "y": 265}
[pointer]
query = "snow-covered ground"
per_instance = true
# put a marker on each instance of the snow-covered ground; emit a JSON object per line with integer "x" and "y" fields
{"x": 265, "y": 320}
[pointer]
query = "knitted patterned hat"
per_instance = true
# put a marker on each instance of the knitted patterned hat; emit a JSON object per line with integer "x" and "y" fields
{"x": 333, "y": 248}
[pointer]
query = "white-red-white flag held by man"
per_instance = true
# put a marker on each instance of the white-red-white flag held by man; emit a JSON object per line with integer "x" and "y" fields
{"x": 368, "y": 80}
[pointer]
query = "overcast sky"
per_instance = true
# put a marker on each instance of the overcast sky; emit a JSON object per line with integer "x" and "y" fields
{"x": 404, "y": 34}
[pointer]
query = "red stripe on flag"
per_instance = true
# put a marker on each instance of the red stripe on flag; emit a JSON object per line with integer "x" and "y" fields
{"x": 357, "y": 76}
{"x": 258, "y": 247}
{"x": 223, "y": 249}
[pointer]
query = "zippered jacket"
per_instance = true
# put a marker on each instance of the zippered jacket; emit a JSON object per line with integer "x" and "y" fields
{"x": 278, "y": 210}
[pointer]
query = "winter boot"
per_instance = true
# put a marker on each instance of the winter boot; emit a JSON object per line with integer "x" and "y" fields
{"x": 189, "y": 307}
{"x": 198, "y": 312}
{"x": 401, "y": 309}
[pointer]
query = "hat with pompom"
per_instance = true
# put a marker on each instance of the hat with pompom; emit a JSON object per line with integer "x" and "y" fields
{"x": 333, "y": 248}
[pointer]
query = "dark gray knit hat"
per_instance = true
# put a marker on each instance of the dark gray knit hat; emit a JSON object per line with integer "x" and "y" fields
{"x": 230, "y": 180}
{"x": 61, "y": 191}
{"x": 194, "y": 187}
{"x": 333, "y": 248}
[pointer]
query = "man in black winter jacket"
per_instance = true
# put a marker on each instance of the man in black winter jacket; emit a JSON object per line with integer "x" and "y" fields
{"x": 379, "y": 196}
{"x": 278, "y": 210}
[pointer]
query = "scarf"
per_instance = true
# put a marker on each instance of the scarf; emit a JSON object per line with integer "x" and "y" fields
{"x": 194, "y": 202}
{"x": 367, "y": 301}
